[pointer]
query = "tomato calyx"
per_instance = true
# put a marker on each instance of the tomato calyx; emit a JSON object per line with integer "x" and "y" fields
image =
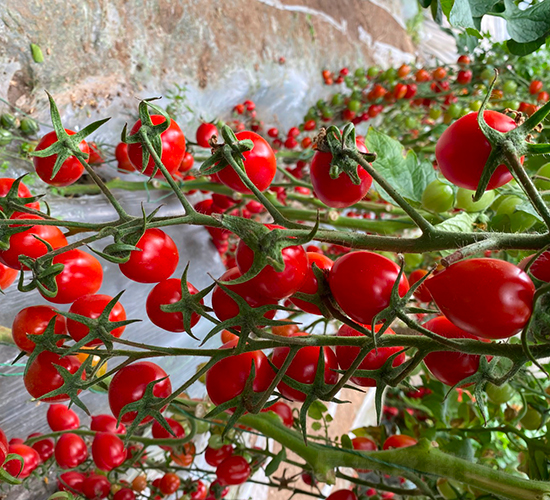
{"x": 12, "y": 202}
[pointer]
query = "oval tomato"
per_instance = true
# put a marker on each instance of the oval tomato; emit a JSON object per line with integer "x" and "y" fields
{"x": 233, "y": 470}
{"x": 310, "y": 284}
{"x": 124, "y": 494}
{"x": 107, "y": 423}
{"x": 34, "y": 320}
{"x": 169, "y": 483}
{"x": 488, "y": 298}
{"x": 30, "y": 457}
{"x": 70, "y": 451}
{"x": 61, "y": 418}
{"x": 108, "y": 451}
{"x": 71, "y": 481}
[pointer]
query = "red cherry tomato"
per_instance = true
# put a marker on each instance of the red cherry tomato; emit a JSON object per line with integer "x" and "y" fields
{"x": 3, "y": 446}
{"x": 342, "y": 495}
{"x": 169, "y": 483}
{"x": 124, "y": 494}
{"x": 497, "y": 307}
{"x": 187, "y": 164}
{"x": 303, "y": 367}
{"x": 82, "y": 275}
{"x": 540, "y": 269}
{"x": 205, "y": 132}
{"x": 259, "y": 163}
{"x": 402, "y": 72}
{"x": 43, "y": 377}
{"x": 34, "y": 320}
{"x": 340, "y": 192}
{"x": 107, "y": 423}
{"x": 7, "y": 276}
{"x": 310, "y": 284}
{"x": 71, "y": 481}
{"x": 96, "y": 486}
{"x": 233, "y": 470}
{"x": 464, "y": 77}
{"x": 423, "y": 76}
{"x": 23, "y": 192}
{"x": 284, "y": 411}
{"x": 70, "y": 171}
{"x": 160, "y": 432}
{"x": 462, "y": 151}
{"x": 197, "y": 491}
{"x": 61, "y": 418}
{"x": 399, "y": 441}
{"x": 375, "y": 359}
{"x": 400, "y": 91}
{"x": 173, "y": 148}
{"x": 215, "y": 456}
{"x": 535, "y": 87}
{"x": 361, "y": 283}
{"x": 169, "y": 292}
{"x": 121, "y": 155}
{"x": 44, "y": 447}
{"x": 421, "y": 293}
{"x": 439, "y": 73}
{"x": 92, "y": 306}
{"x": 108, "y": 451}
{"x": 96, "y": 157}
{"x": 70, "y": 451}
{"x": 363, "y": 443}
{"x": 543, "y": 97}
{"x": 31, "y": 460}
{"x": 222, "y": 388}
{"x": 129, "y": 384}
{"x": 464, "y": 60}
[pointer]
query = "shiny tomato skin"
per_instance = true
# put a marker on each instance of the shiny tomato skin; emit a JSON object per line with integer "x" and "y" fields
{"x": 226, "y": 308}
{"x": 185, "y": 459}
{"x": 398, "y": 441}
{"x": 270, "y": 283}
{"x": 33, "y": 320}
{"x": 7, "y": 276}
{"x": 446, "y": 366}
{"x": 108, "y": 451}
{"x": 497, "y": 307}
{"x": 169, "y": 483}
{"x": 535, "y": 87}
{"x": 340, "y": 192}
{"x": 129, "y": 384}
{"x": 169, "y": 292}
{"x": 43, "y": 377}
{"x": 124, "y": 494}
{"x": 92, "y": 306}
{"x": 342, "y": 495}
{"x": 160, "y": 432}
{"x": 304, "y": 367}
{"x": 173, "y": 148}
{"x": 204, "y": 133}
{"x": 23, "y": 192}
{"x": 156, "y": 261}
{"x": 233, "y": 470}
{"x": 44, "y": 447}
{"x": 96, "y": 486}
{"x": 61, "y": 418}
{"x": 82, "y": 275}
{"x": 122, "y": 158}
{"x": 70, "y": 451}
{"x": 215, "y": 456}
{"x": 70, "y": 171}
{"x": 375, "y": 359}
{"x": 199, "y": 492}
{"x": 107, "y": 423}
{"x": 222, "y": 388}
{"x": 284, "y": 412}
{"x": 260, "y": 165}
{"x": 71, "y": 481}
{"x": 3, "y": 446}
{"x": 421, "y": 293}
{"x": 310, "y": 284}
{"x": 540, "y": 269}
{"x": 462, "y": 151}
{"x": 361, "y": 283}
{"x": 31, "y": 460}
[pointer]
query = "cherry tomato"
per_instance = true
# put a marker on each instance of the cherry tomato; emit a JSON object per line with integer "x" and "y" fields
{"x": 423, "y": 76}
{"x": 61, "y": 418}
{"x": 543, "y": 97}
{"x": 226, "y": 308}
{"x": 462, "y": 151}
{"x": 31, "y": 460}
{"x": 361, "y": 283}
{"x": 92, "y": 306}
{"x": 139, "y": 483}
{"x": 44, "y": 447}
{"x": 43, "y": 377}
{"x": 215, "y": 456}
{"x": 96, "y": 486}
{"x": 285, "y": 330}
{"x": 23, "y": 192}
{"x": 233, "y": 470}
{"x": 342, "y": 494}
{"x": 70, "y": 451}
{"x": 71, "y": 481}
{"x": 70, "y": 171}
{"x": 3, "y": 446}
{"x": 184, "y": 459}
{"x": 129, "y": 384}
{"x": 187, "y": 164}
{"x": 303, "y": 367}
{"x": 375, "y": 359}
{"x": 535, "y": 87}
{"x": 464, "y": 77}
{"x": 259, "y": 163}
{"x": 439, "y": 73}
{"x": 283, "y": 411}
{"x": 96, "y": 157}
{"x": 499, "y": 394}
{"x": 108, "y": 451}
{"x": 399, "y": 441}
{"x": 222, "y": 388}
{"x": 464, "y": 200}
{"x": 169, "y": 483}
{"x": 197, "y": 490}
{"x": 270, "y": 283}
{"x": 107, "y": 423}
{"x": 363, "y": 443}
{"x": 7, "y": 276}
{"x": 156, "y": 261}
{"x": 310, "y": 284}
{"x": 34, "y": 320}
{"x": 121, "y": 155}
{"x": 531, "y": 421}
{"x": 173, "y": 148}
{"x": 169, "y": 292}
{"x": 124, "y": 494}
{"x": 497, "y": 307}
{"x": 82, "y": 275}
{"x": 540, "y": 269}
{"x": 160, "y": 432}
{"x": 340, "y": 192}
{"x": 421, "y": 293}
{"x": 205, "y": 132}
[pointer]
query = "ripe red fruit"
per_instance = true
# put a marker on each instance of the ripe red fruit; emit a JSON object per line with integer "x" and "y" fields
{"x": 215, "y": 456}
{"x": 310, "y": 285}
{"x": 535, "y": 87}
{"x": 398, "y": 441}
{"x": 70, "y": 451}
{"x": 71, "y": 481}
{"x": 34, "y": 320}
{"x": 205, "y": 132}
{"x": 108, "y": 451}
{"x": 96, "y": 486}
{"x": 61, "y": 418}
{"x": 421, "y": 293}
{"x": 31, "y": 460}
{"x": 107, "y": 423}
{"x": 233, "y": 470}
{"x": 159, "y": 432}
{"x": 122, "y": 158}
{"x": 169, "y": 483}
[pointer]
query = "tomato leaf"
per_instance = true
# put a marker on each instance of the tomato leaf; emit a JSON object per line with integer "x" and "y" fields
{"x": 460, "y": 223}
{"x": 529, "y": 24}
{"x": 272, "y": 466}
{"x": 316, "y": 410}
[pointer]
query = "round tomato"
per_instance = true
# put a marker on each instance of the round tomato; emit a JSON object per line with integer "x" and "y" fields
{"x": 185, "y": 458}
{"x": 129, "y": 384}
{"x": 421, "y": 293}
{"x": 43, "y": 447}
{"x": 488, "y": 298}
{"x": 61, "y": 418}
{"x": 205, "y": 132}
{"x": 156, "y": 261}
{"x": 43, "y": 377}
{"x": 122, "y": 158}
{"x": 464, "y": 77}
{"x": 233, "y": 470}
{"x": 173, "y": 148}
{"x": 124, "y": 494}
{"x": 260, "y": 165}
{"x": 270, "y": 283}
{"x": 71, "y": 481}
{"x": 159, "y": 432}
{"x": 197, "y": 490}
{"x": 96, "y": 486}
{"x": 31, "y": 460}
{"x": 139, "y": 483}
{"x": 169, "y": 483}
{"x": 342, "y": 495}
{"x": 169, "y": 292}
{"x": 462, "y": 151}
{"x": 92, "y": 306}
{"x": 70, "y": 451}
{"x": 535, "y": 87}
{"x": 340, "y": 192}
{"x": 361, "y": 283}
{"x": 284, "y": 411}
{"x": 215, "y": 456}
{"x": 187, "y": 164}
{"x": 7, "y": 276}
{"x": 34, "y": 320}
{"x": 107, "y": 423}
{"x": 303, "y": 367}
{"x": 108, "y": 451}
{"x": 23, "y": 192}
{"x": 222, "y": 388}
{"x": 82, "y": 275}
{"x": 375, "y": 359}
{"x": 310, "y": 285}
{"x": 398, "y": 441}
{"x": 70, "y": 171}
{"x": 226, "y": 308}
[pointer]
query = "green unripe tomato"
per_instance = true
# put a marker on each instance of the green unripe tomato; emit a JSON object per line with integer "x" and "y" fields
{"x": 507, "y": 204}
{"x": 531, "y": 420}
{"x": 320, "y": 104}
{"x": 215, "y": 441}
{"x": 5, "y": 137}
{"x": 499, "y": 394}
{"x": 521, "y": 221}
{"x": 354, "y": 106}
{"x": 438, "y": 197}
{"x": 363, "y": 81}
{"x": 465, "y": 202}
{"x": 337, "y": 100}
{"x": 413, "y": 261}
{"x": 28, "y": 126}
{"x": 355, "y": 95}
{"x": 390, "y": 74}
{"x": 373, "y": 71}
{"x": 8, "y": 121}
{"x": 201, "y": 426}
{"x": 327, "y": 113}
{"x": 359, "y": 72}
{"x": 475, "y": 105}
{"x": 435, "y": 113}
{"x": 487, "y": 74}
{"x": 410, "y": 122}
{"x": 509, "y": 87}
{"x": 454, "y": 110}
{"x": 445, "y": 488}
{"x": 510, "y": 104}
{"x": 543, "y": 171}
{"x": 349, "y": 81}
